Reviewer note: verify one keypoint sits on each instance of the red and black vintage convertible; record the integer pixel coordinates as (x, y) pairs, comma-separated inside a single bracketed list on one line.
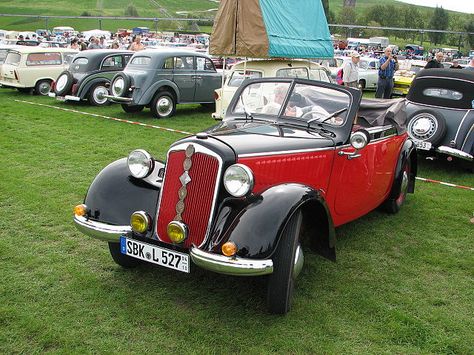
[(291, 157)]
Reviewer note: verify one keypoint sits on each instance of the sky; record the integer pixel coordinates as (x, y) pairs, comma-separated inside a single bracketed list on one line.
[(466, 6)]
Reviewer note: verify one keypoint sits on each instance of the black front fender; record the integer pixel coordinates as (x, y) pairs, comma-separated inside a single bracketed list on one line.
[(255, 224), (114, 195)]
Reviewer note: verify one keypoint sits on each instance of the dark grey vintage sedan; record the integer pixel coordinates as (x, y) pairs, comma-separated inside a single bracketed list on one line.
[(160, 79), (440, 109), (89, 75)]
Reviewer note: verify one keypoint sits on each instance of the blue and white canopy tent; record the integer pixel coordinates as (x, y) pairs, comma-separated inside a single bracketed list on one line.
[(271, 29)]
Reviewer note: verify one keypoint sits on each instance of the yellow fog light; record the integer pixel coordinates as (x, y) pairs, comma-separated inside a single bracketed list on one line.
[(80, 210), (140, 222), (177, 231), (229, 249)]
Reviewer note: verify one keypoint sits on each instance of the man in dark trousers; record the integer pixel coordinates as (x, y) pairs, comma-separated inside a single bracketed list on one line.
[(388, 66), (436, 61)]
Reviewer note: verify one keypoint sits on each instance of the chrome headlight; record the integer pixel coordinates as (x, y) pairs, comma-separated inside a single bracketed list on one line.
[(238, 180), (140, 163), (118, 86)]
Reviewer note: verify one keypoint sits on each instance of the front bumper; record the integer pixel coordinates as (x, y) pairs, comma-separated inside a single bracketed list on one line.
[(218, 263), (230, 265), (455, 153), (99, 230), (119, 99), (64, 98)]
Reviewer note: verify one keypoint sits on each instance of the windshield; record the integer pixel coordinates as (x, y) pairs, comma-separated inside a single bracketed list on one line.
[(303, 102)]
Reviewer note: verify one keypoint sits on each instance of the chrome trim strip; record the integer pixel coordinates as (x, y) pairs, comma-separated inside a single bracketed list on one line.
[(197, 149), (99, 230), (72, 98), (459, 127), (230, 265), (443, 107), (455, 152), (378, 129), (309, 150), (119, 98), (467, 136)]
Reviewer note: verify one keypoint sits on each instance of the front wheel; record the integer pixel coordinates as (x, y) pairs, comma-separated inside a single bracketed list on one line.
[(132, 108), (122, 259), (393, 204), (287, 263), (96, 95), (43, 87), (163, 105)]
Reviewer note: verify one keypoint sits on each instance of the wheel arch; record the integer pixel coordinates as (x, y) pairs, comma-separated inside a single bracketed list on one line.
[(162, 85), (84, 89)]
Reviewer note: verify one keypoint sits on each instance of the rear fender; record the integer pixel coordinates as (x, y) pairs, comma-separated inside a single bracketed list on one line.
[(114, 195), (255, 224), (148, 95), (86, 86)]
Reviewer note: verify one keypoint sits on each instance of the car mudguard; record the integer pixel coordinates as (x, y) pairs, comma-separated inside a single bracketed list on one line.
[(148, 95), (114, 195), (87, 84), (408, 151), (255, 223)]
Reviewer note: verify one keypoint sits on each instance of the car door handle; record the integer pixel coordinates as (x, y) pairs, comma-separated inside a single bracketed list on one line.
[(350, 155)]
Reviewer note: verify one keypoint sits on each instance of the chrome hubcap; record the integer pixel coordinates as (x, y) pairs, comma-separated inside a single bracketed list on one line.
[(299, 260), (99, 93), (164, 106), (118, 86)]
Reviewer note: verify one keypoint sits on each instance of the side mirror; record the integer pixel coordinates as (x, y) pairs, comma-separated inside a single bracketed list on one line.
[(359, 140)]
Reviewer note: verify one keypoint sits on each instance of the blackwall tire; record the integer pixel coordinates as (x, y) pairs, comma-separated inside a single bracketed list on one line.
[(281, 281), (121, 259), (43, 87), (393, 204), (125, 85), (427, 125), (96, 93)]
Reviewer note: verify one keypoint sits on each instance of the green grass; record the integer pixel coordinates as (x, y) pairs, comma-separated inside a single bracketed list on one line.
[(402, 283)]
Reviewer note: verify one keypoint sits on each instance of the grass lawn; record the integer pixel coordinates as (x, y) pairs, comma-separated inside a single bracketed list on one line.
[(402, 284)]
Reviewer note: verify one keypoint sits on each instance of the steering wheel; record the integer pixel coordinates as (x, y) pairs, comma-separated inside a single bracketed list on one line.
[(317, 112)]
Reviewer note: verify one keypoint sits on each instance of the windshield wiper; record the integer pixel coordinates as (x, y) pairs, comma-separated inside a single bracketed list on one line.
[(319, 130), (327, 117)]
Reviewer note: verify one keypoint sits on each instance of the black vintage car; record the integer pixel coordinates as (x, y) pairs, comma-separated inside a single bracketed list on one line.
[(89, 76), (440, 108), (292, 160), (161, 79)]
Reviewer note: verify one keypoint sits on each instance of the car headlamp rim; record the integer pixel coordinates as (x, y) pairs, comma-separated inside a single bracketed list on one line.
[(359, 139), (250, 180), (149, 163), (145, 217)]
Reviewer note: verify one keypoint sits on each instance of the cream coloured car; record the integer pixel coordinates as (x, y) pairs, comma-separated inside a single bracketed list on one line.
[(26, 68), (291, 68)]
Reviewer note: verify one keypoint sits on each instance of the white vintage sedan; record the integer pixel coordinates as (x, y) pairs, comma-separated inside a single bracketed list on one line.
[(296, 68), (368, 70)]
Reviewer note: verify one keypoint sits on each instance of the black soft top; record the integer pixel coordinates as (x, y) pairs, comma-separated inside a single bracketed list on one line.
[(380, 112), (460, 81)]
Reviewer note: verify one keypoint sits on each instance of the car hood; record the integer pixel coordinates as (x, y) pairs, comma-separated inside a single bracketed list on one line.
[(269, 138)]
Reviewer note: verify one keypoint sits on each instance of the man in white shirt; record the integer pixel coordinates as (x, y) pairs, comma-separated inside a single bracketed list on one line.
[(350, 75)]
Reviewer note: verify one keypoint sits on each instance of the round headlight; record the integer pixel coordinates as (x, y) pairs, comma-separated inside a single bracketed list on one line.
[(359, 139), (238, 180), (140, 222), (177, 231), (118, 86), (140, 163)]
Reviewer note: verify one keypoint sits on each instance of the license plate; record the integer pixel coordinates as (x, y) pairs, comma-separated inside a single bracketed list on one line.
[(154, 254), (423, 145)]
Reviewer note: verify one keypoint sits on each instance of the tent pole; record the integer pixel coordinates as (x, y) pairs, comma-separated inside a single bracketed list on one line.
[(223, 73)]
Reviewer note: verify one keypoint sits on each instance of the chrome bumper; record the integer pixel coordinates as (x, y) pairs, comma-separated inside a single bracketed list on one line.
[(119, 98), (230, 265), (455, 153), (51, 94), (102, 231), (72, 98)]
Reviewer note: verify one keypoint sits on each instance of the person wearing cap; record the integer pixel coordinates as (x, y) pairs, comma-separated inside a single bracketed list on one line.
[(388, 66), (455, 65), (350, 71)]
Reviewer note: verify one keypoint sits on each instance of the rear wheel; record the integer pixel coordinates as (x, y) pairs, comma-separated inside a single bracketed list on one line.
[(43, 87), (393, 204), (132, 108), (163, 105), (96, 95), (122, 259), (287, 263)]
